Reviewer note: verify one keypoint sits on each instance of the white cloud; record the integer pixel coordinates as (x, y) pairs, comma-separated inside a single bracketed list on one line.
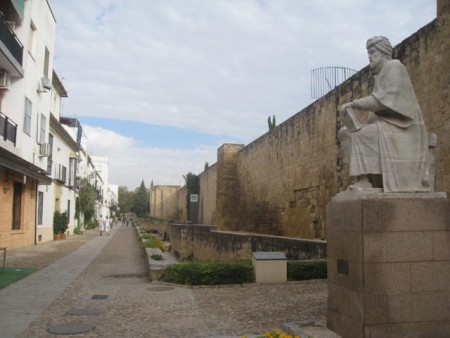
[(219, 67), (130, 163)]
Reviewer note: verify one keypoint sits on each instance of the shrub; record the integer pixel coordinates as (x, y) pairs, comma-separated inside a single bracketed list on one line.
[(92, 224), (308, 269), (209, 273), (156, 257), (153, 242), (60, 222)]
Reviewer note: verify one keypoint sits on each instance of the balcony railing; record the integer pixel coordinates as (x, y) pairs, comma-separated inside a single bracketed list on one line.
[(8, 129), (10, 40)]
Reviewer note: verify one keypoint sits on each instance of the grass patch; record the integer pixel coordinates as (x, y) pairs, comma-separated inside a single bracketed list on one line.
[(308, 269), (209, 273), (11, 275)]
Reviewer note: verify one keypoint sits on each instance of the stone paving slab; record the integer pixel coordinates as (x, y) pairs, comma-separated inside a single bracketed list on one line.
[(137, 308), (24, 301)]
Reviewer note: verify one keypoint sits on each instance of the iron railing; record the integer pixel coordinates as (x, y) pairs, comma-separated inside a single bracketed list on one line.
[(10, 40), (325, 79)]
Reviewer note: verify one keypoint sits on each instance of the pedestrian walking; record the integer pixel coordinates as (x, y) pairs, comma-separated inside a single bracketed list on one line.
[(107, 225), (101, 224)]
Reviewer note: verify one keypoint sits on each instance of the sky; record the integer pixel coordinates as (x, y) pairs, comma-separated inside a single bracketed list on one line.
[(159, 85)]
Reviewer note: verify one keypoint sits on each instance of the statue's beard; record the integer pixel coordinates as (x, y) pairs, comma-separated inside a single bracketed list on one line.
[(375, 66)]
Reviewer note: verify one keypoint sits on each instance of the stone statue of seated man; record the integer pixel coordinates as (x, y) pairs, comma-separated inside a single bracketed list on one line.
[(390, 151)]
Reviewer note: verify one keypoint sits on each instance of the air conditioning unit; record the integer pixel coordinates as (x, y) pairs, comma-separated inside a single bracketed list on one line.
[(44, 149), (46, 83), (4, 79)]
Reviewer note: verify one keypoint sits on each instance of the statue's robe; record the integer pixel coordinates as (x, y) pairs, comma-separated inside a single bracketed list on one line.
[(394, 143)]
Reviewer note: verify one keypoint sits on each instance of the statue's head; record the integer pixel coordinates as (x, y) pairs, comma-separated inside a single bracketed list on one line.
[(379, 49)]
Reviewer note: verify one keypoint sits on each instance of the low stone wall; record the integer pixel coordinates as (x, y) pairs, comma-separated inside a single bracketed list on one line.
[(206, 242), (155, 267), (161, 228)]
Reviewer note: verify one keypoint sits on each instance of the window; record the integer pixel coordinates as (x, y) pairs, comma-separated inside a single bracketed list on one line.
[(61, 173), (50, 155), (40, 207), (46, 62), (42, 129), (27, 117), (17, 206), (72, 171), (31, 39)]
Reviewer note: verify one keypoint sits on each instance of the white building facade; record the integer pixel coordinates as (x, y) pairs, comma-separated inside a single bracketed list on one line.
[(26, 60)]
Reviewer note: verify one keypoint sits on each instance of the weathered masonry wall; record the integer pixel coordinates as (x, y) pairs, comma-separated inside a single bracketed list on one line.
[(208, 190), (168, 202), (280, 183), (205, 242)]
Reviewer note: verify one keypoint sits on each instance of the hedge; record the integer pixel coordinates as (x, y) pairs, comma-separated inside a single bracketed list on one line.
[(307, 269), (237, 272), (209, 273)]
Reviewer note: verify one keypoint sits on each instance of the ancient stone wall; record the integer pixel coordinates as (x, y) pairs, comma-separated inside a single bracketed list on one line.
[(208, 191), (281, 183), (227, 198), (168, 202), (284, 179)]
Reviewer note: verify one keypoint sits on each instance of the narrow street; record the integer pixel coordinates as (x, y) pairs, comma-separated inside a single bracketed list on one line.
[(104, 284)]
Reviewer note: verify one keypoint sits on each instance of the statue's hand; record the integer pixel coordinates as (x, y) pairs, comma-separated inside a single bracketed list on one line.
[(342, 107)]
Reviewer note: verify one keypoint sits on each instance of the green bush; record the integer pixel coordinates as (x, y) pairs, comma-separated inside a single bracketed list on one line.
[(157, 257), (153, 242), (92, 224), (209, 273), (308, 269), (60, 222)]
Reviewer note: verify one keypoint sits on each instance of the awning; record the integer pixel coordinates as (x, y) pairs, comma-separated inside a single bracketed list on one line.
[(14, 162)]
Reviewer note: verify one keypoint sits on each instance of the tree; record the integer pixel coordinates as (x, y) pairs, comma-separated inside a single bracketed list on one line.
[(126, 199), (87, 198), (141, 202), (272, 123)]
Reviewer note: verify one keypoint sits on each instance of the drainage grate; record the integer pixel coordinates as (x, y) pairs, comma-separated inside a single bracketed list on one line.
[(99, 297), (127, 275), (161, 288), (70, 328), (84, 312)]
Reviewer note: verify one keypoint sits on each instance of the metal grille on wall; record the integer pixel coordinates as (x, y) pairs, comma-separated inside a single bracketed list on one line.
[(325, 79)]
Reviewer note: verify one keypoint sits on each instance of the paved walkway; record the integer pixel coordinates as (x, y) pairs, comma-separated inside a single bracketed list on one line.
[(110, 275)]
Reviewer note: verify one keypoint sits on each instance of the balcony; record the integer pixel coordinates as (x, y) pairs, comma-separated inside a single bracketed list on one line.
[(8, 129), (11, 50)]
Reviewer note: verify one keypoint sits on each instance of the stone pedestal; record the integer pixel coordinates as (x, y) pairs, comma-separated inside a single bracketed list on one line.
[(389, 266)]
